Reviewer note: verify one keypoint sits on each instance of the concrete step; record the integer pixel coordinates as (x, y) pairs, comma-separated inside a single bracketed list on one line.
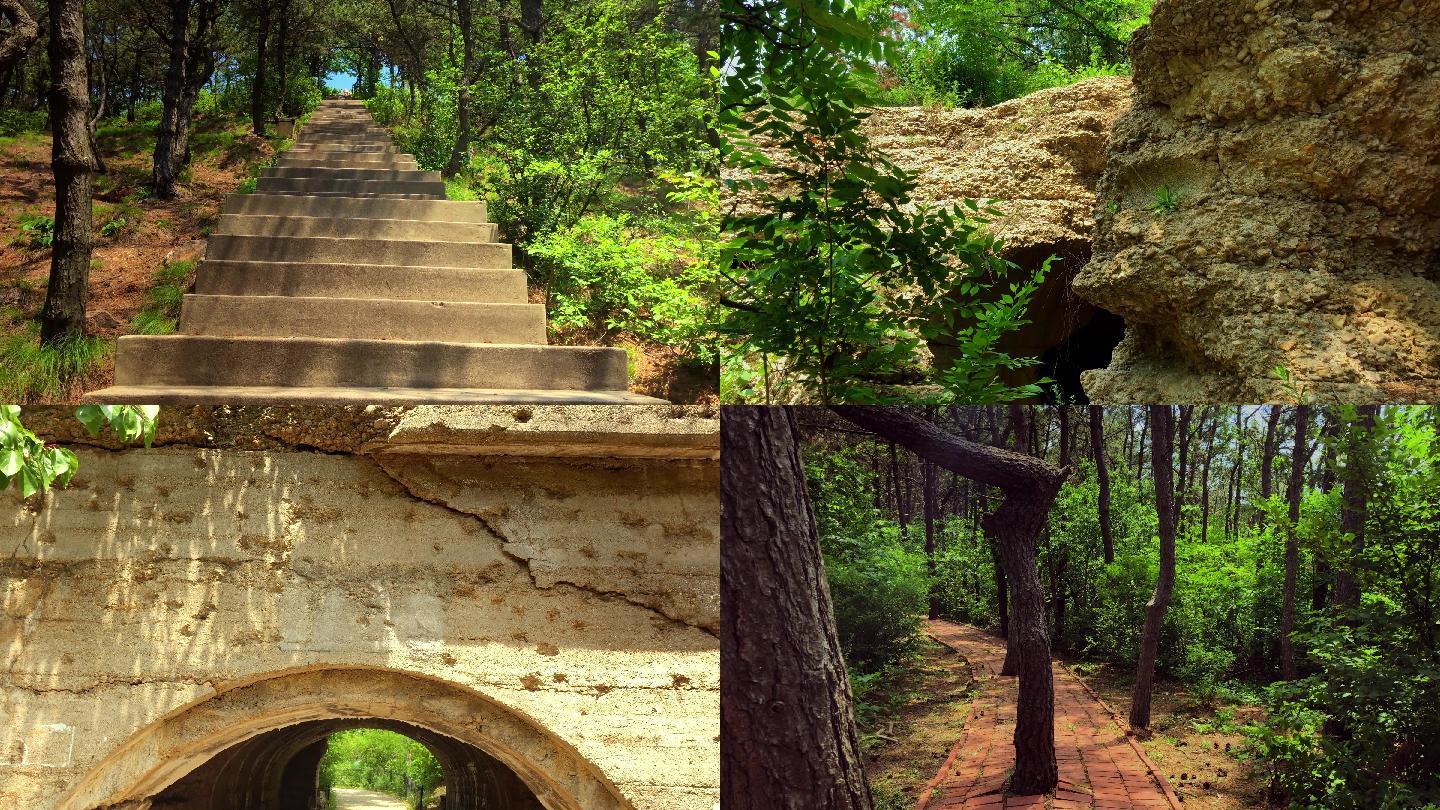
[(341, 228), (353, 195), (356, 208), (306, 185), (359, 159), (387, 162), (275, 395), (341, 147), (194, 360), (362, 318), (483, 255), (353, 142), (318, 279), (352, 173)]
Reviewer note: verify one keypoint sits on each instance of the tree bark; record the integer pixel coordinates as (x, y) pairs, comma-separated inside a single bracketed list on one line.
[(460, 154), (1102, 479), (74, 162), (931, 509), (1028, 486), (788, 732), (190, 61), (261, 58), (1288, 669), (1355, 498), (1163, 435), (24, 30), (1205, 475)]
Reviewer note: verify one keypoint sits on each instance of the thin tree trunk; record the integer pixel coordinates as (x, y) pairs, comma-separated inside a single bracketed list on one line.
[(1163, 432), (1182, 432), (74, 163), (931, 508), (460, 154), (282, 58), (1355, 498), (1029, 486), (1288, 669), (261, 58), (1102, 478), (1205, 477), (789, 739), (190, 63), (1320, 570)]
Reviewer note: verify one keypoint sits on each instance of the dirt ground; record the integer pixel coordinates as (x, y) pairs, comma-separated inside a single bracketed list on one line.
[(1203, 766), (155, 231)]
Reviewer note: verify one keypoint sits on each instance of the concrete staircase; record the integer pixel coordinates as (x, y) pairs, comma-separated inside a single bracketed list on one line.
[(348, 277)]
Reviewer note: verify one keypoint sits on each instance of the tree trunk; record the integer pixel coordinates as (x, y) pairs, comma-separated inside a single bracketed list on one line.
[(1205, 477), (1320, 570), (1029, 486), (1267, 455), (460, 154), (789, 737), (1163, 432), (74, 163), (931, 508), (1182, 432), (282, 58), (1288, 669), (532, 20), (1102, 479), (261, 58), (1355, 498), (899, 494)]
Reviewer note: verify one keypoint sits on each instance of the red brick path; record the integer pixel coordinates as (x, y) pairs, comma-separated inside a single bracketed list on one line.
[(1099, 766)]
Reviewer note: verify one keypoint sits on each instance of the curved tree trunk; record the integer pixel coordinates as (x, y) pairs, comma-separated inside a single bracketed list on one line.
[(74, 162), (1162, 422), (1029, 486), (788, 733), (24, 30)]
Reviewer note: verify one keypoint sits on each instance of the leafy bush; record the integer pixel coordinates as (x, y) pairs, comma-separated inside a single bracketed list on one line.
[(16, 122), (612, 273), (37, 230)]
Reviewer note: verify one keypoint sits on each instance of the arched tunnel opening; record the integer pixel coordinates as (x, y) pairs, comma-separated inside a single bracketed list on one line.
[(282, 769)]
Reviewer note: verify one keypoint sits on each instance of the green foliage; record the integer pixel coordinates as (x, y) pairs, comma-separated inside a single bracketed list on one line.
[(1167, 200), (375, 759), (113, 227), (642, 278), (26, 461), (30, 371), (17, 122), (161, 313), (37, 230), (130, 423), (982, 52)]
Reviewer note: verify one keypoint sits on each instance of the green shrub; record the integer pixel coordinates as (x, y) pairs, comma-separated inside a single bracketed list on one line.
[(37, 231), (645, 279), (17, 122), (161, 313)]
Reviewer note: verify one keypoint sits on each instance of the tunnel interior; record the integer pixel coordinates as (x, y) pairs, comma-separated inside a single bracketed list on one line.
[(279, 770)]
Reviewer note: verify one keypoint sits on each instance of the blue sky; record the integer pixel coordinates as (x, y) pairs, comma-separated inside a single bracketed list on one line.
[(340, 81)]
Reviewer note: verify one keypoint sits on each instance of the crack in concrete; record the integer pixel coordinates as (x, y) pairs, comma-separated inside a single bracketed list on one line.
[(106, 683), (524, 562)]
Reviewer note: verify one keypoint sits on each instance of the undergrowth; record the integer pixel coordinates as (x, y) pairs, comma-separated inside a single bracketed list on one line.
[(29, 371)]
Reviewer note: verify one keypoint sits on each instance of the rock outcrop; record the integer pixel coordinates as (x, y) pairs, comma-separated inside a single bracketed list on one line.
[(1298, 144), (1039, 160)]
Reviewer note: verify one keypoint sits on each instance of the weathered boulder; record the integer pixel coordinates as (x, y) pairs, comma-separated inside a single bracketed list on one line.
[(1038, 159), (1300, 141)]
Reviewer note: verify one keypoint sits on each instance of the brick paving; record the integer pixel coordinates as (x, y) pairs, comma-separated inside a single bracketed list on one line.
[(1099, 766)]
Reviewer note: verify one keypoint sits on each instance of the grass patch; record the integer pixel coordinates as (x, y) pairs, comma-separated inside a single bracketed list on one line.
[(29, 371), (161, 313)]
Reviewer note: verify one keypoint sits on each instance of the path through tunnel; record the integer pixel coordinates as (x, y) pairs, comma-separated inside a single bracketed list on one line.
[(279, 770)]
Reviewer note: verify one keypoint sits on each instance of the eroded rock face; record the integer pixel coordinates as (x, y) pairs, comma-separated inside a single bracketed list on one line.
[(1037, 158), (1302, 142)]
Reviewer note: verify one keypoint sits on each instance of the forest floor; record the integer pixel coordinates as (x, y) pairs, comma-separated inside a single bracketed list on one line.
[(952, 736), (149, 236)]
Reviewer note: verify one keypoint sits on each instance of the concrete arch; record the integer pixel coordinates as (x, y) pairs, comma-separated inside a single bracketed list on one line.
[(437, 711)]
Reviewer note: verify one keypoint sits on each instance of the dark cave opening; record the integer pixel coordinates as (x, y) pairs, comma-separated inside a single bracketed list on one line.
[(1088, 347)]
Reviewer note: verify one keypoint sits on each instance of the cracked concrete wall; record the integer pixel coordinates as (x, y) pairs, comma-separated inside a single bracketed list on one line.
[(580, 593)]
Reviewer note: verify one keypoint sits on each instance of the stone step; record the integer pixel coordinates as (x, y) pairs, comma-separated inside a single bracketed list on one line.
[(387, 162), (359, 159), (351, 173), (325, 250), (353, 195), (341, 147), (362, 319), (196, 360), (356, 208), (318, 279), (316, 395), (343, 228), (307, 185), (352, 142)]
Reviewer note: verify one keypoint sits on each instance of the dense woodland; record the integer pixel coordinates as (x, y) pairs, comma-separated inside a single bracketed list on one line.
[(838, 276), (589, 128), (1280, 557), (380, 760)]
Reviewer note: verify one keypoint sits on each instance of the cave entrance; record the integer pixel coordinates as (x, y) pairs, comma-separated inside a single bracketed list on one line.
[(1088, 347)]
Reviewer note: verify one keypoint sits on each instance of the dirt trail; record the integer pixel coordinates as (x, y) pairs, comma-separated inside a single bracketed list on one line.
[(365, 800), (1099, 766)]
